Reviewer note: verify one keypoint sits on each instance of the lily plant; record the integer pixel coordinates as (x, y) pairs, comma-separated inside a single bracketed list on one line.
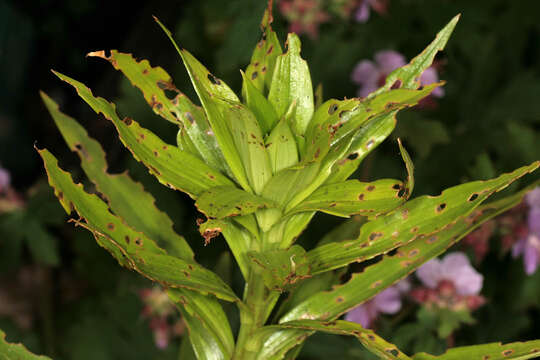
[(259, 166)]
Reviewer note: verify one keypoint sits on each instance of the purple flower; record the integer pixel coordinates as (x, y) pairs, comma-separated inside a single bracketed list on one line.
[(387, 302), (454, 268), (5, 180), (364, 10), (529, 244), (372, 75)]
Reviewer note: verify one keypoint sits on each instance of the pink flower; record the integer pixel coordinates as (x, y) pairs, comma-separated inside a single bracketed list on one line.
[(304, 16), (386, 302), (364, 10), (5, 180), (372, 75), (455, 268), (528, 244)]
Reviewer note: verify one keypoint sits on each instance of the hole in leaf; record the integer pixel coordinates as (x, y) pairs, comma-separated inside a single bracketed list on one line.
[(332, 109), (214, 80), (473, 197), (352, 156), (441, 207), (254, 75)]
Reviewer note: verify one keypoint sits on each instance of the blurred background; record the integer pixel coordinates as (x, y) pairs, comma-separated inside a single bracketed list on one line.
[(62, 295)]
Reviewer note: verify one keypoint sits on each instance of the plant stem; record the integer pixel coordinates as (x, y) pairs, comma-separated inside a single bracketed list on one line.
[(259, 303)]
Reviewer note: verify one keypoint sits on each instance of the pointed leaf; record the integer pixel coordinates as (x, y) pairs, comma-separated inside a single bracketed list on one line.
[(18, 351), (281, 147), (127, 198), (131, 248), (368, 338), (209, 330), (172, 167), (419, 217), (259, 105), (261, 67), (226, 201), (375, 278), (409, 186), (153, 82), (355, 197), (283, 268), (292, 82), (371, 135), (336, 119), (493, 351), (408, 76)]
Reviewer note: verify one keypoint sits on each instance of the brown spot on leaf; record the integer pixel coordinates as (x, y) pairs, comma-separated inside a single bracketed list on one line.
[(110, 226), (404, 214), (263, 70), (486, 357), (138, 241), (361, 197), (414, 229), (332, 109), (413, 252), (269, 51), (145, 71), (375, 235), (332, 205), (370, 188), (142, 136), (352, 156), (405, 263), (156, 153), (127, 120), (371, 337), (376, 284), (508, 352), (211, 176), (396, 84), (473, 197), (127, 239), (254, 75), (440, 207), (317, 153), (340, 299), (60, 195), (431, 239)]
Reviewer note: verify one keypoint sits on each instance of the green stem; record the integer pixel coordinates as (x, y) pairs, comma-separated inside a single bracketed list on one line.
[(259, 303)]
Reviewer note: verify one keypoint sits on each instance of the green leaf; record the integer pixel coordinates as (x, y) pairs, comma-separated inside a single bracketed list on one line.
[(259, 105), (276, 344), (409, 186), (226, 201), (281, 147), (172, 167), (408, 76), (292, 82), (167, 101), (10, 351), (132, 249), (286, 184), (354, 197), (282, 269), (419, 217), (493, 351), (329, 305), (126, 198), (368, 137), (236, 128), (375, 278), (336, 119), (209, 330), (261, 67), (238, 238)]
